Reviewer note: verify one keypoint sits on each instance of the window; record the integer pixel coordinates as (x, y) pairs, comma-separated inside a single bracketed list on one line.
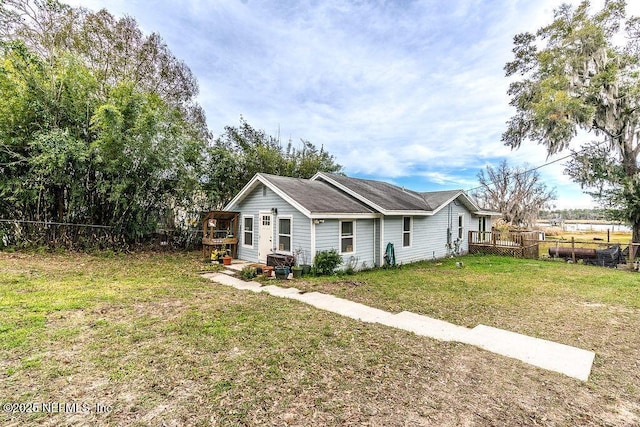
[(482, 224), (347, 237), (284, 234), (247, 235), (482, 229), (406, 231), (460, 226)]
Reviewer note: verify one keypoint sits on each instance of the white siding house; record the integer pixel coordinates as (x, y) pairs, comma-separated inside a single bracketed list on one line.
[(357, 217)]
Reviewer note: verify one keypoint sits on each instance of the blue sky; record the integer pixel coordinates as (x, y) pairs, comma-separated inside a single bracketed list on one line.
[(407, 92)]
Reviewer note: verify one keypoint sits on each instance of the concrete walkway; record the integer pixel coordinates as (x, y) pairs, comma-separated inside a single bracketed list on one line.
[(570, 361)]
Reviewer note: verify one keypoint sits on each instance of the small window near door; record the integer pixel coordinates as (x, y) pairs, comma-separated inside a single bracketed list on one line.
[(460, 226), (266, 220), (347, 237), (406, 231), (247, 239), (284, 234)]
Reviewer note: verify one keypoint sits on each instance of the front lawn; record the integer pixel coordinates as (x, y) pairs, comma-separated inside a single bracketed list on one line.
[(147, 337)]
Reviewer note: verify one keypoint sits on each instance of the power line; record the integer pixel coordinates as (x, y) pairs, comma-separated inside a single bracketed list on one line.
[(535, 168)]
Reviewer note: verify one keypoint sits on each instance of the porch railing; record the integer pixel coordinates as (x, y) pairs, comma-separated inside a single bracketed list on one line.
[(513, 243)]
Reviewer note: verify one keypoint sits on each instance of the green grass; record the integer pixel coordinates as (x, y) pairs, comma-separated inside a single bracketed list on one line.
[(149, 336), (486, 289)]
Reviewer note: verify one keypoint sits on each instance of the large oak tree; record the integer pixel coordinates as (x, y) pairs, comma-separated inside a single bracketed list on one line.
[(582, 73)]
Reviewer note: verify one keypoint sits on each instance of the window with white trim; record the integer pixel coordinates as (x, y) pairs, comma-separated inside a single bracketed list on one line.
[(407, 226), (460, 226), (247, 231), (284, 234), (347, 237)]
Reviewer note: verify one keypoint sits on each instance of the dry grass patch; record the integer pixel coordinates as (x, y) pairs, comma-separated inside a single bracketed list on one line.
[(163, 346)]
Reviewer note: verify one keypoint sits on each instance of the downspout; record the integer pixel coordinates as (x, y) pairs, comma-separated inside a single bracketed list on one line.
[(374, 240), (449, 226), (380, 261), (313, 241)]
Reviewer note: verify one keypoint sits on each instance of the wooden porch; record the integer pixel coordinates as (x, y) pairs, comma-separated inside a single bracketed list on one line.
[(220, 233), (520, 244)]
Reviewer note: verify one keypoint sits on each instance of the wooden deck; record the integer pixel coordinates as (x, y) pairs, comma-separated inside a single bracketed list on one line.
[(520, 244)]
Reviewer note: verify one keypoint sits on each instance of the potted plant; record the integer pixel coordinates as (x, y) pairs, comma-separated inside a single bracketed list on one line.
[(282, 272), (297, 271), (301, 258), (226, 257)]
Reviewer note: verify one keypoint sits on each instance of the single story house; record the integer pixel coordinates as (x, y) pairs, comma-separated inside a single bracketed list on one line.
[(357, 217)]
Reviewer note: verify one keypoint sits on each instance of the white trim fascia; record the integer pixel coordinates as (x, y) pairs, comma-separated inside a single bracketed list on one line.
[(243, 193), (468, 203), (259, 177), (409, 213), (344, 215), (314, 177), (487, 213)]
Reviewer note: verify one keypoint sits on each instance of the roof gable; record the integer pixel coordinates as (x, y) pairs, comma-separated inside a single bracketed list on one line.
[(317, 196), (382, 196), (309, 197), (329, 194)]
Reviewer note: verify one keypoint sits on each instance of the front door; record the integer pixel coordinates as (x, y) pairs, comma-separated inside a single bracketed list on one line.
[(265, 237)]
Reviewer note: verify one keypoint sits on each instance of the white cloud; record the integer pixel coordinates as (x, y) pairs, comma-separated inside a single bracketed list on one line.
[(393, 89)]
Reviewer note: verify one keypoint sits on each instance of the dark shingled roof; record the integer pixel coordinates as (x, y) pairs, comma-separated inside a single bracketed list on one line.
[(388, 196), (317, 196), (438, 198)]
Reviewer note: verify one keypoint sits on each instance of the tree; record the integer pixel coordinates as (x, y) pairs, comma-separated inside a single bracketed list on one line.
[(582, 72), (242, 151), (104, 131), (115, 50), (517, 193)]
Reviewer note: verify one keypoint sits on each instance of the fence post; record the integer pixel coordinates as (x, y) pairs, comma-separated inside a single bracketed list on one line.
[(573, 249)]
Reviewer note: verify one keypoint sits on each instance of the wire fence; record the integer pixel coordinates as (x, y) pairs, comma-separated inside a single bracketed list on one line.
[(22, 234), (535, 245)]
